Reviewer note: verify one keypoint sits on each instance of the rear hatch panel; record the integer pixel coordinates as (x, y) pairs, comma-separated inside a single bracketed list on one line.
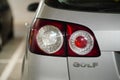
[(100, 68)]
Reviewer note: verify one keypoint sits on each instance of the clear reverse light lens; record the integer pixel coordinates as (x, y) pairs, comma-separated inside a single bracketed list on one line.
[(49, 39), (81, 42)]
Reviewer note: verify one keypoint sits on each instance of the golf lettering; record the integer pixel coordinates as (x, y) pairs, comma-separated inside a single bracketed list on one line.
[(85, 65)]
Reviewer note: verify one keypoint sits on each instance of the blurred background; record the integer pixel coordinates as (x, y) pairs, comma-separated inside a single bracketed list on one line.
[(21, 15), (13, 16)]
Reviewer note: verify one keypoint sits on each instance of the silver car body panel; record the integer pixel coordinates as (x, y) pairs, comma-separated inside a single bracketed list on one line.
[(47, 68), (101, 68), (106, 28)]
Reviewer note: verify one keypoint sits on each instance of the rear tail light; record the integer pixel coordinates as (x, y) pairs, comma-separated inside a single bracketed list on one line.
[(55, 38), (46, 38), (81, 42)]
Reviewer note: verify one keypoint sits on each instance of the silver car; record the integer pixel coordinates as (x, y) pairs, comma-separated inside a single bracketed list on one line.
[(74, 40)]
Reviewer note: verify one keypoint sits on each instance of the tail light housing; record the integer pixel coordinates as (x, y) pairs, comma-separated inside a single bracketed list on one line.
[(56, 38)]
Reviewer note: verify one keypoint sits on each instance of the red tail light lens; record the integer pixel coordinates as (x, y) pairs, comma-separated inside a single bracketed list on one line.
[(56, 38), (81, 41)]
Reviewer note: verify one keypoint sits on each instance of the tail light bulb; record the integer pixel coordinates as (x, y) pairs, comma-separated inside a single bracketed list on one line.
[(81, 42)]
